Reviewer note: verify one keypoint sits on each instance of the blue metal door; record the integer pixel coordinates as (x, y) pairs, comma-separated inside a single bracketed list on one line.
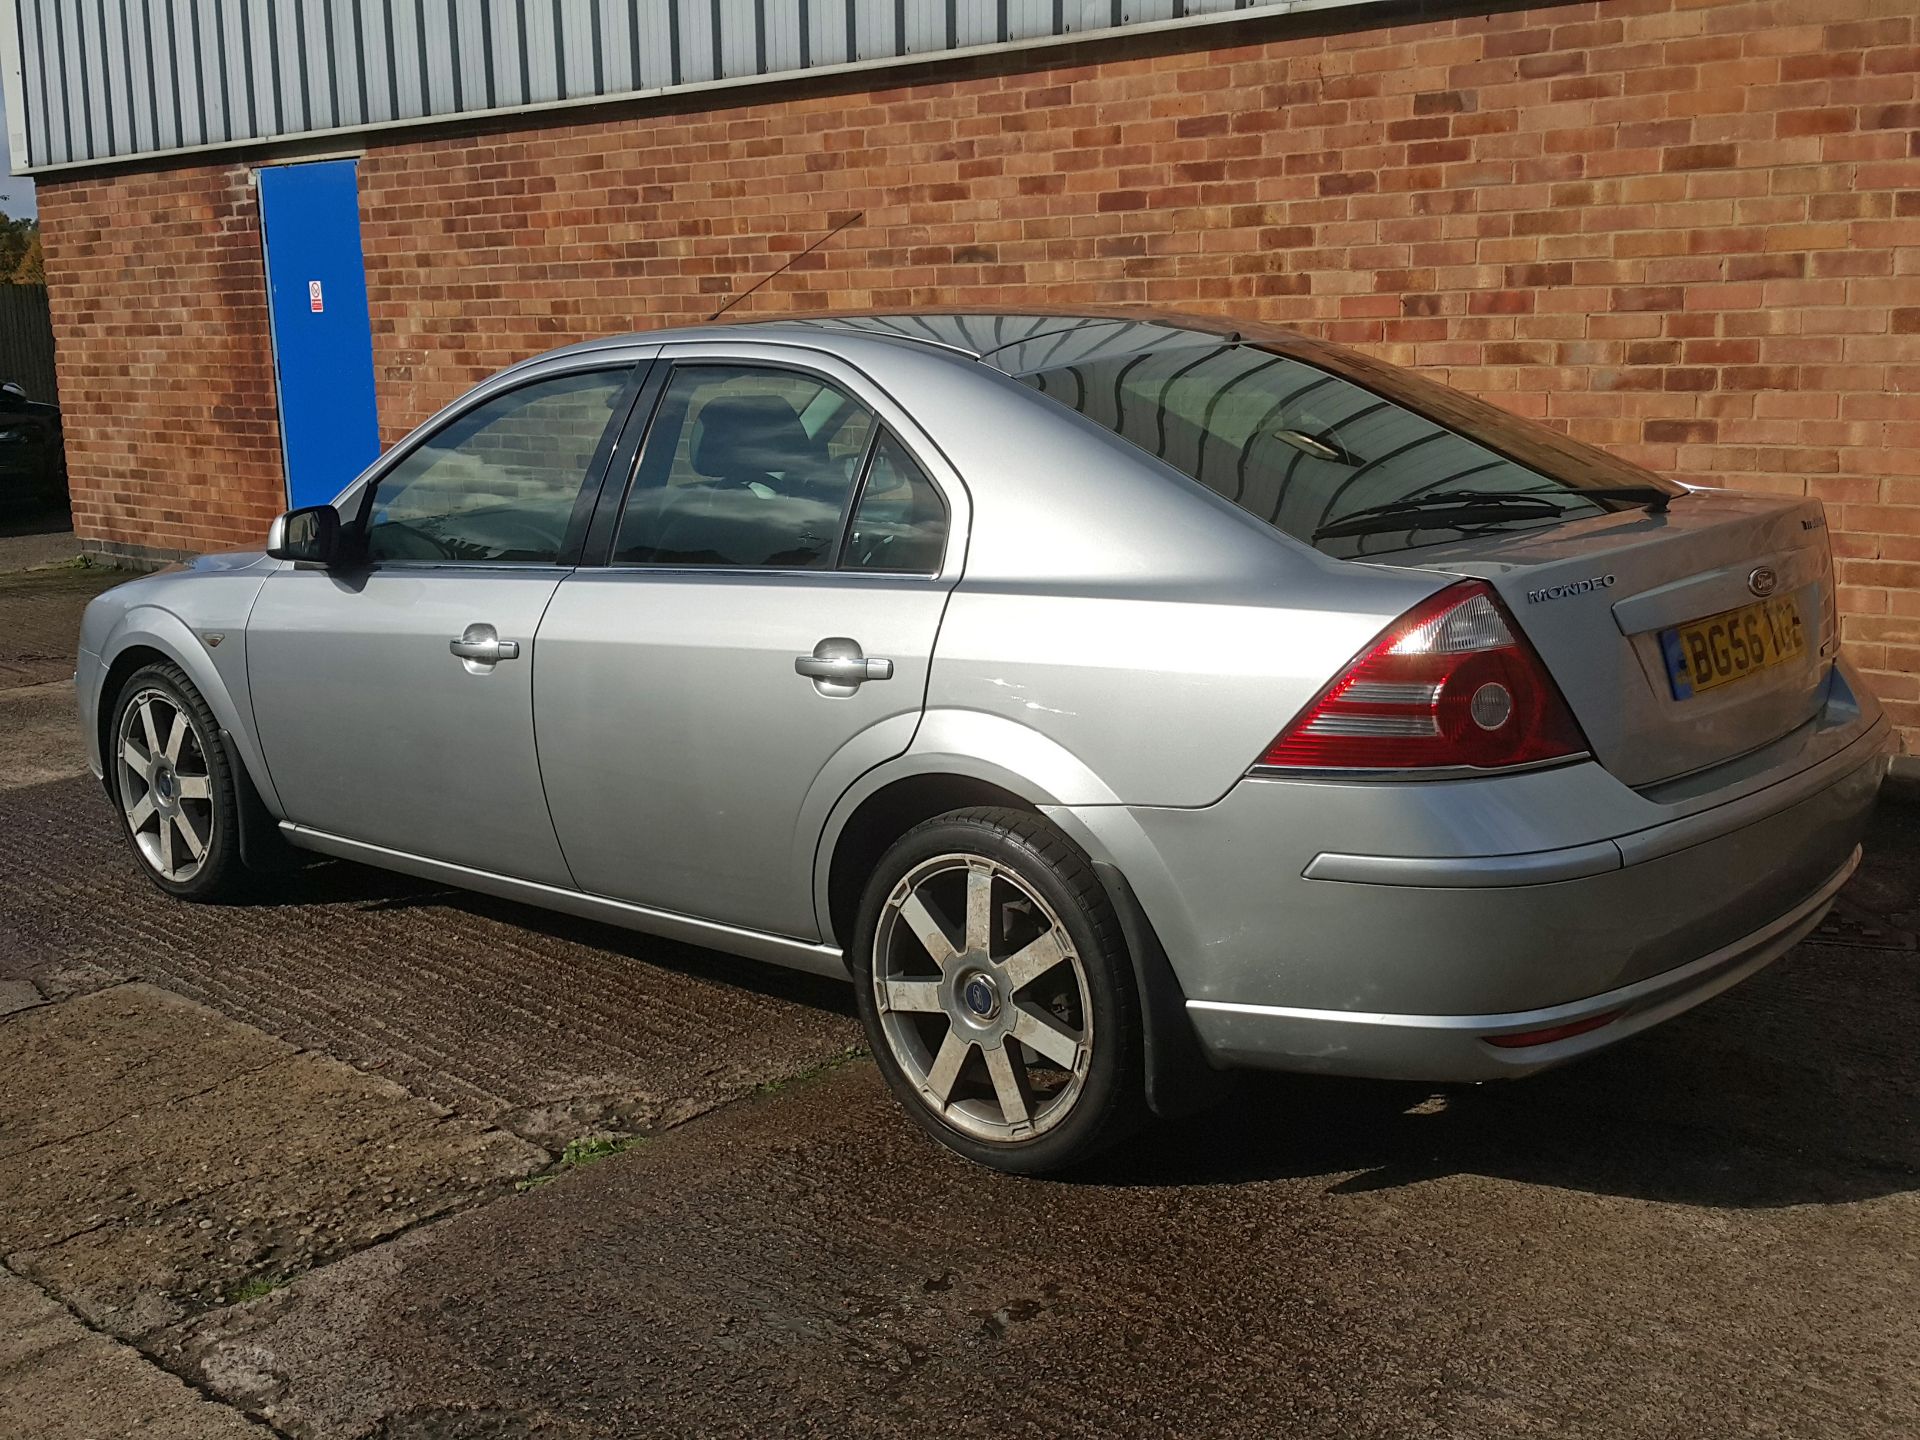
[(322, 338)]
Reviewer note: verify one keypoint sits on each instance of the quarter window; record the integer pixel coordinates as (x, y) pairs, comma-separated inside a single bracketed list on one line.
[(746, 467), (900, 524), (499, 483)]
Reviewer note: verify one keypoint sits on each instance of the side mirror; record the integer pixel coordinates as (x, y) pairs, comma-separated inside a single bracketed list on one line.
[(311, 535)]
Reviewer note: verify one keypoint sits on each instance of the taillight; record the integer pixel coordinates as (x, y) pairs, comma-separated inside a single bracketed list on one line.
[(1449, 685)]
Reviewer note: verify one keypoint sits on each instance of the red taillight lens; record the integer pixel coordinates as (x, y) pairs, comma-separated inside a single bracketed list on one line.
[(1450, 684)]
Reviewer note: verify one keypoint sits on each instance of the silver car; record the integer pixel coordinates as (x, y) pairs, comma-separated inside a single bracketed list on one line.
[(1116, 699)]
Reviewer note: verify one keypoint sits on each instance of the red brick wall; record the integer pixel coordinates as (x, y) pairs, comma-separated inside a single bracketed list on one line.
[(165, 367), (1685, 229)]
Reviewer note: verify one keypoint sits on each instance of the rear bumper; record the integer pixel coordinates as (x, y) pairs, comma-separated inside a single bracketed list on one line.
[(1387, 929), (1459, 1048)]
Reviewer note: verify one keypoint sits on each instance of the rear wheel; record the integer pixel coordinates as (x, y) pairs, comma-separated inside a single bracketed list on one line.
[(997, 993), (175, 790)]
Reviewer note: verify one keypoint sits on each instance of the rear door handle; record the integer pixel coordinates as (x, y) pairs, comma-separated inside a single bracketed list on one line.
[(481, 643), (837, 667)]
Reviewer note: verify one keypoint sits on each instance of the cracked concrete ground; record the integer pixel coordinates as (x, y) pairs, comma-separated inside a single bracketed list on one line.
[(61, 1381), (1712, 1229), (158, 1155)]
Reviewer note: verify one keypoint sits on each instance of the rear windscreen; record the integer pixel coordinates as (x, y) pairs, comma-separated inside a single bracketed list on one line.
[(1305, 449)]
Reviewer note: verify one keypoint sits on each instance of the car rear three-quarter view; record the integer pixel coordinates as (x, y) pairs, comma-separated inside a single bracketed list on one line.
[(1117, 700)]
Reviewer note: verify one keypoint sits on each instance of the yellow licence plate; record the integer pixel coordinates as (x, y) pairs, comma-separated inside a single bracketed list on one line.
[(1720, 649)]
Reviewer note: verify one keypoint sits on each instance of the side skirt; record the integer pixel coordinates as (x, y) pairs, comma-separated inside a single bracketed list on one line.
[(753, 944)]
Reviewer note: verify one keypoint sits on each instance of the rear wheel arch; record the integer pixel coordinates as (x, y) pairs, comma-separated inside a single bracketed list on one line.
[(882, 818), (1178, 1078)]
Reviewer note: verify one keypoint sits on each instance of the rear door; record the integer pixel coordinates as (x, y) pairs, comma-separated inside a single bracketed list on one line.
[(760, 636)]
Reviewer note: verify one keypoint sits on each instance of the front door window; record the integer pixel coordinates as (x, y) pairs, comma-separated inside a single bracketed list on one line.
[(500, 482)]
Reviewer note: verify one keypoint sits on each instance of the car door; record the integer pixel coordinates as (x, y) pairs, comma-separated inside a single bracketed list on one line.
[(394, 695), (760, 636)]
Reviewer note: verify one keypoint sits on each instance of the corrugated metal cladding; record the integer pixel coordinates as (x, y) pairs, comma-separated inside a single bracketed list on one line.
[(90, 80)]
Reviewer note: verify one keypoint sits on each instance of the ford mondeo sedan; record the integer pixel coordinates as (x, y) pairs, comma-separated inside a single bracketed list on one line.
[(1116, 700)]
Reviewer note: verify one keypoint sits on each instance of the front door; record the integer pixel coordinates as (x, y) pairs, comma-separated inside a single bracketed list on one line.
[(322, 339), (394, 695), (761, 637)]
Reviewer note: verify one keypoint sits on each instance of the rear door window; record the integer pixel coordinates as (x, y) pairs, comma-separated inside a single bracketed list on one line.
[(746, 467)]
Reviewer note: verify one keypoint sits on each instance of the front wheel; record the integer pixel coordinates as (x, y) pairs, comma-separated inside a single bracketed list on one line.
[(997, 993), (174, 787)]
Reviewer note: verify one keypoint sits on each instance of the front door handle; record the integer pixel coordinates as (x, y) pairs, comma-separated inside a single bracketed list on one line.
[(483, 645), (837, 667)]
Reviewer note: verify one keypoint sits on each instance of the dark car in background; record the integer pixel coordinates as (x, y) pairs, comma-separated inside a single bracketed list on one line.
[(33, 456)]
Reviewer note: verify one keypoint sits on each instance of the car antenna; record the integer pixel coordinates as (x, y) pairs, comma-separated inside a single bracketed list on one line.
[(852, 219)]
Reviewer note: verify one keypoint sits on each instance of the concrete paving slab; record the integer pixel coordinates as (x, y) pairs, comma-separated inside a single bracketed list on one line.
[(19, 995), (1309, 1260), (155, 1156), (62, 1381)]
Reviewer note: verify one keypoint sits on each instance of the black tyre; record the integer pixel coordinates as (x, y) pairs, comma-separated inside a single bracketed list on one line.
[(997, 993), (178, 802)]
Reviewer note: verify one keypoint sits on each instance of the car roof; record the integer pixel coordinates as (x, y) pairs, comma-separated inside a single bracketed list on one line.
[(1012, 341)]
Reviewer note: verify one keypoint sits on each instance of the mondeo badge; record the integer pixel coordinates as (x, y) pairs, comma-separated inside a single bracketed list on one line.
[(1762, 580)]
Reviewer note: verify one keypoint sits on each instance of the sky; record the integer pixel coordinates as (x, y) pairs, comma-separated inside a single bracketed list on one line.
[(16, 194)]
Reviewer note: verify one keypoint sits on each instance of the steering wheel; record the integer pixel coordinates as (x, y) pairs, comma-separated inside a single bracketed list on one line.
[(397, 540)]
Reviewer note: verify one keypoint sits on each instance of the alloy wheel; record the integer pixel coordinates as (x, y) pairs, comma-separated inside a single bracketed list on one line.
[(982, 998), (165, 787)]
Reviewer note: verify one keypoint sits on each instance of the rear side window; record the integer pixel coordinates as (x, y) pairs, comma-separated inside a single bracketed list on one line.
[(1291, 443), (747, 467), (900, 525)]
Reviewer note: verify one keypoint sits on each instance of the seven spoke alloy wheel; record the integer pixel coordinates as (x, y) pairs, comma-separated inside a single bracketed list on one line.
[(982, 998), (165, 784), (177, 793)]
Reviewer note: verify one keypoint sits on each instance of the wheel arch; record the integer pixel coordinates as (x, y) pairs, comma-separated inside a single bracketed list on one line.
[(893, 799), (147, 635), (882, 817)]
